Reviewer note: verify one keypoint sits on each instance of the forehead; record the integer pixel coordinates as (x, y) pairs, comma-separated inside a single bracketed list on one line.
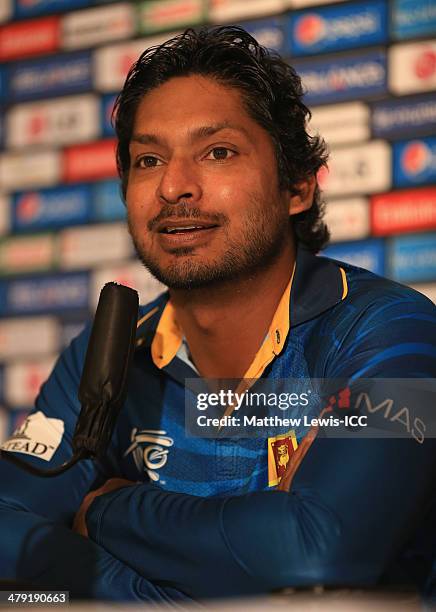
[(182, 101)]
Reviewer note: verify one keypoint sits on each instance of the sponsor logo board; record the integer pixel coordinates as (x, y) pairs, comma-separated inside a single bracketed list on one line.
[(397, 117), (32, 8), (3, 92), (70, 329), (107, 201), (132, 274), (28, 336), (27, 253), (53, 76), (343, 78), (45, 294), (368, 254), (304, 3), (414, 162), (24, 38), (357, 169), (347, 219), (412, 18), (98, 25), (269, 33), (23, 380), (90, 161), (5, 10), (403, 211), (3, 298), (5, 214), (39, 436), (63, 121), (427, 289), (338, 27), (341, 123), (51, 208), (412, 67), (27, 170), (229, 10), (113, 62), (413, 258), (107, 105), (158, 15), (4, 424), (94, 245)]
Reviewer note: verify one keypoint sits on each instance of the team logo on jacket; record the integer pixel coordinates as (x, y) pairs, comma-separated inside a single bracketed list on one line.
[(280, 450), (150, 448)]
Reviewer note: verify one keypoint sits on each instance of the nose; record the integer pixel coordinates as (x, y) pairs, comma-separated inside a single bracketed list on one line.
[(179, 182)]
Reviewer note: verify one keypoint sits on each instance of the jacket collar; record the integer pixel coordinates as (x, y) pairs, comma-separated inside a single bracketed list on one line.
[(319, 284)]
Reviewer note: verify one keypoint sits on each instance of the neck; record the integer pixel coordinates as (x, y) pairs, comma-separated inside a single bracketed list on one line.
[(226, 324)]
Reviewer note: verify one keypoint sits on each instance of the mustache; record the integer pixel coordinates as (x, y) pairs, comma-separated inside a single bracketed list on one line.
[(186, 211)]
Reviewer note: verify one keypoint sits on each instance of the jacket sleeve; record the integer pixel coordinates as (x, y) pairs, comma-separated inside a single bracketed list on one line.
[(36, 543), (354, 502)]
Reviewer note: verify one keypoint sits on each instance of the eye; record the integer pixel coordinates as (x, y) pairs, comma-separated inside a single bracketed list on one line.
[(220, 154), (147, 161)]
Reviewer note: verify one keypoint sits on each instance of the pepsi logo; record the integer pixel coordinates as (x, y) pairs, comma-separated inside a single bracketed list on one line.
[(36, 124), (425, 65), (415, 158), (310, 29), (28, 207), (337, 81)]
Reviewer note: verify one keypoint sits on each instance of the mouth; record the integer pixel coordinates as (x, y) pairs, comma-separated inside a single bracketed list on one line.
[(185, 233), (175, 228)]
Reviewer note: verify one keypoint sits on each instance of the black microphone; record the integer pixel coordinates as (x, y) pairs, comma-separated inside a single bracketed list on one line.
[(103, 384)]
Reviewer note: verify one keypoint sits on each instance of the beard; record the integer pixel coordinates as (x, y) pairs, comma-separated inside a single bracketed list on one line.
[(265, 234)]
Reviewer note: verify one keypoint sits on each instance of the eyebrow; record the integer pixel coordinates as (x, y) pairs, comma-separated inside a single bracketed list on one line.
[(197, 134)]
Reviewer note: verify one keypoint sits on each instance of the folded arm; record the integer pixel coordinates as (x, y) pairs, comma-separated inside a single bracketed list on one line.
[(37, 550), (353, 505)]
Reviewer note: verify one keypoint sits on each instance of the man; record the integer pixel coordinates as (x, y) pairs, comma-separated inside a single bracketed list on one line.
[(219, 179)]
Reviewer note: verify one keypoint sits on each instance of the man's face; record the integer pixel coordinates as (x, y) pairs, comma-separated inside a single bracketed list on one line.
[(202, 197)]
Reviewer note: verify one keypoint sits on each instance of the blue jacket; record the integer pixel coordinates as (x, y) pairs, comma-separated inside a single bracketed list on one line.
[(204, 520)]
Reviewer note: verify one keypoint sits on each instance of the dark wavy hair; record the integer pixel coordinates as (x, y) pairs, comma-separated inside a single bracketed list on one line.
[(271, 91)]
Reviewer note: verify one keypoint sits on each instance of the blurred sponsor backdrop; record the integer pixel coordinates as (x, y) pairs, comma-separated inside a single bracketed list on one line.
[(370, 73)]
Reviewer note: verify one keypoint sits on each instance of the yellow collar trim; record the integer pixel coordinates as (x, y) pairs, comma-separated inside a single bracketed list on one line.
[(276, 336), (169, 336), (344, 284)]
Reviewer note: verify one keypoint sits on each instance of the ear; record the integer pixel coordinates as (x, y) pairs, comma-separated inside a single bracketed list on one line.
[(302, 200)]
